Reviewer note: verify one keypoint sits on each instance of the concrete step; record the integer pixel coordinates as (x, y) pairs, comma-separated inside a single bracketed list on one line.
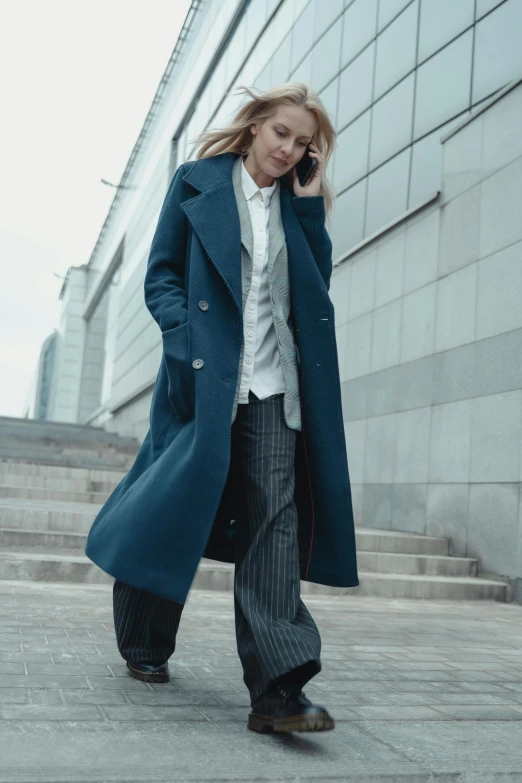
[(43, 493), (67, 566), (380, 562), (44, 456), (27, 540), (78, 480), (18, 429), (67, 517), (399, 563), (372, 540), (43, 515)]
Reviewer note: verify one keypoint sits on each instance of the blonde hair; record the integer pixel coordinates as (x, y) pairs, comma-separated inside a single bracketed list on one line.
[(237, 136)]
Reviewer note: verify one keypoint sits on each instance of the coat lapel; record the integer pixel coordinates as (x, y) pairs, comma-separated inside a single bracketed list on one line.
[(214, 216), (220, 217)]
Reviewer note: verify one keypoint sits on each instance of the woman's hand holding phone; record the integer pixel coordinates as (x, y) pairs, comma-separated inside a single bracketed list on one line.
[(312, 186)]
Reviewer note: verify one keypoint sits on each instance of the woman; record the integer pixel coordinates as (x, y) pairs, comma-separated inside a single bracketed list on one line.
[(245, 458)]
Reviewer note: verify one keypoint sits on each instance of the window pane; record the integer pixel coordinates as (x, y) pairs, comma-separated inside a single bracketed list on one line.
[(303, 34), (388, 9), (348, 219), (387, 192), (443, 85), (426, 164), (442, 20), (325, 13), (329, 99), (483, 6), (396, 49), (356, 87), (392, 122), (359, 27), (281, 62), (498, 53), (351, 160), (326, 56)]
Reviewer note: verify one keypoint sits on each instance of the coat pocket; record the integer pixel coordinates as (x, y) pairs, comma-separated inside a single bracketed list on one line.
[(180, 373)]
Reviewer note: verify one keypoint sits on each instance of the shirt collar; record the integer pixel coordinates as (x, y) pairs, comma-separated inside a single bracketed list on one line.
[(250, 187)]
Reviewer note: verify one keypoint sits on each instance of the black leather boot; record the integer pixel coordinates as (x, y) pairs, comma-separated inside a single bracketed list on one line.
[(288, 710), (149, 672)]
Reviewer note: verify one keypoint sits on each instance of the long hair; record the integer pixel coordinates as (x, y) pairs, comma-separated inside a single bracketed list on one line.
[(237, 136)]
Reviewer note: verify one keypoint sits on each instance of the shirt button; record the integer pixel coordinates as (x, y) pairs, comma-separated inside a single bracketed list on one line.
[(251, 307), (250, 334), (197, 364), (259, 252)]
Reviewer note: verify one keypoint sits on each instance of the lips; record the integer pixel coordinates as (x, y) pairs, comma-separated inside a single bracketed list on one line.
[(280, 162)]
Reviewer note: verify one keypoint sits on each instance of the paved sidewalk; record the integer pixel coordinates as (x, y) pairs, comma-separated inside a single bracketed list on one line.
[(421, 691)]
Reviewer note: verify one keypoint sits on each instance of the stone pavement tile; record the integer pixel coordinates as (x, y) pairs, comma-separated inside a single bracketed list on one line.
[(108, 683), (70, 649), (482, 712), (484, 687), (44, 696), (13, 696), (41, 681), (175, 698), (225, 714), (141, 713), (417, 666), (232, 698), (12, 668), (475, 698), (397, 712), (66, 668), (422, 699), (99, 698), (427, 657), (208, 685), (38, 712), (108, 660), (15, 657), (482, 666), (10, 646)]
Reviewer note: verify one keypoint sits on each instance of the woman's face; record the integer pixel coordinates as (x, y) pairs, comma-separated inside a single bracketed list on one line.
[(280, 141)]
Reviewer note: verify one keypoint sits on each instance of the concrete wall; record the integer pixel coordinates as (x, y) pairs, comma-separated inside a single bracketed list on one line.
[(429, 328)]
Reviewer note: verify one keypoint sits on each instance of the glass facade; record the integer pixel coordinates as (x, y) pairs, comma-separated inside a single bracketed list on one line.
[(393, 75)]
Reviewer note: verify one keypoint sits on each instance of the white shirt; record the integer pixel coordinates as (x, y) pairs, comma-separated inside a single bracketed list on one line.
[(262, 370)]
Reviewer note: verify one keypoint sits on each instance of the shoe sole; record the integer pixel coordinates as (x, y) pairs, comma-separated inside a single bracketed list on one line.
[(313, 722), (148, 676)]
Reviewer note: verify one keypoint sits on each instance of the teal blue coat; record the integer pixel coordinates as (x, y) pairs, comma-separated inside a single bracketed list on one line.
[(176, 502)]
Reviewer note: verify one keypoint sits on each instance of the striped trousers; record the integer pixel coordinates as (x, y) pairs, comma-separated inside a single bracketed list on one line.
[(277, 638)]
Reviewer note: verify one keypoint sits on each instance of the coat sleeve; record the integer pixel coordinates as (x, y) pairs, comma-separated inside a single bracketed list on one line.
[(311, 213), (164, 289)]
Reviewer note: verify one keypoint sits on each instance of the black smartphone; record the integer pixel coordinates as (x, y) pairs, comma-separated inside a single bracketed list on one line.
[(305, 168)]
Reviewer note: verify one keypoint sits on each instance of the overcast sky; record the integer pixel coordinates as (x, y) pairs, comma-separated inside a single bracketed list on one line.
[(76, 82)]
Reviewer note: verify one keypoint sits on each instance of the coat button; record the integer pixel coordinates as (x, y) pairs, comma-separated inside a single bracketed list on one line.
[(197, 364), (203, 305)]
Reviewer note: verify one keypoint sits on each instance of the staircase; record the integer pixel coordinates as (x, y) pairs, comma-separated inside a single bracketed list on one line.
[(54, 477)]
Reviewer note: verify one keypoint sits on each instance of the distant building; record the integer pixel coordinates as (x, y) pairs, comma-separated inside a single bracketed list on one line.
[(40, 404), (427, 242)]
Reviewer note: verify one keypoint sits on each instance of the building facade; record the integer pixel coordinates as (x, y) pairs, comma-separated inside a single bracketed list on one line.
[(425, 282)]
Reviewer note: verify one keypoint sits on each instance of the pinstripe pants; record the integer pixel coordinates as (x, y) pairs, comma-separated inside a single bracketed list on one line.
[(275, 633)]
